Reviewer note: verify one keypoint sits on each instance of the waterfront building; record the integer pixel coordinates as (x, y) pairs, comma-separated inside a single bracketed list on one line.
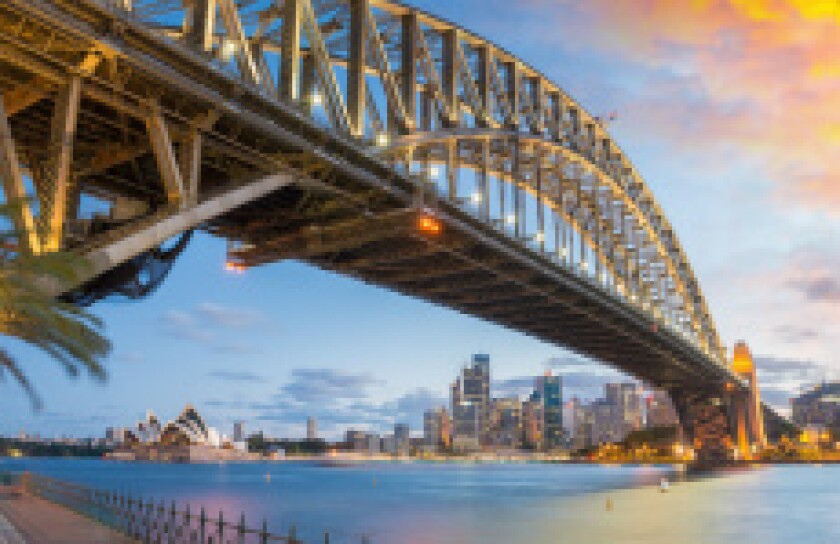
[(388, 444), (551, 394), (660, 410), (819, 407), (436, 429), (475, 380), (626, 400), (184, 439), (402, 439), (356, 439), (584, 427), (239, 431), (569, 418), (147, 430), (466, 427), (115, 435), (506, 423), (470, 397), (532, 423), (311, 428), (611, 418), (373, 445)]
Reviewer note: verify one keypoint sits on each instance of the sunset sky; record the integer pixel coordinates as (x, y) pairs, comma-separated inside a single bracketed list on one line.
[(730, 109)]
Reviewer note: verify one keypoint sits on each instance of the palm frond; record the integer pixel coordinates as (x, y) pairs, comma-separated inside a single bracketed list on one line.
[(69, 334)]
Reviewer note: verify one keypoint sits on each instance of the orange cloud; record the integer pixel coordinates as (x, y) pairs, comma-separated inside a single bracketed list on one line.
[(768, 72)]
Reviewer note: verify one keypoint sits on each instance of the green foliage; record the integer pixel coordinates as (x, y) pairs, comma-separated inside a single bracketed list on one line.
[(257, 443), (651, 436), (50, 449), (30, 313)]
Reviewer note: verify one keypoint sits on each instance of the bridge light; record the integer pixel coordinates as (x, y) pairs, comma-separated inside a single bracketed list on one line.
[(316, 99), (563, 252), (511, 218), (227, 50), (434, 171), (234, 267), (382, 139), (539, 237), (476, 198), (429, 225)]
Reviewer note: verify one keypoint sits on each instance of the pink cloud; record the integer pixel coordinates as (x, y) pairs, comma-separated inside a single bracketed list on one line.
[(761, 76)]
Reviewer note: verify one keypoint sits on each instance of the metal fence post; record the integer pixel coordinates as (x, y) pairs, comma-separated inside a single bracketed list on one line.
[(203, 523), (172, 523), (264, 533), (241, 529)]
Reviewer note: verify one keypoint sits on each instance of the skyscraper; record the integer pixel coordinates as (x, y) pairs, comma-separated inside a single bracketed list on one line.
[(239, 431), (466, 427), (532, 423), (626, 401), (436, 429), (551, 393), (660, 410), (506, 423), (402, 439), (475, 381), (311, 428), (470, 395)]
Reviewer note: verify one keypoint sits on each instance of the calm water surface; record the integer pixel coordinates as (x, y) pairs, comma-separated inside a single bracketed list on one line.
[(491, 504)]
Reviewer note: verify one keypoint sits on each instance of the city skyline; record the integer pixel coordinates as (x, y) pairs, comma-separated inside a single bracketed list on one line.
[(249, 346)]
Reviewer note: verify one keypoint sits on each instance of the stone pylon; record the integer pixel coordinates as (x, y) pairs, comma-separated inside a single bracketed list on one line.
[(744, 366)]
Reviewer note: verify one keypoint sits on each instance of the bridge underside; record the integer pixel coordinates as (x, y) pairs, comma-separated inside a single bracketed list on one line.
[(464, 267)]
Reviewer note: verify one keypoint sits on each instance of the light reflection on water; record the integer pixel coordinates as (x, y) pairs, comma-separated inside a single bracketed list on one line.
[(491, 504)]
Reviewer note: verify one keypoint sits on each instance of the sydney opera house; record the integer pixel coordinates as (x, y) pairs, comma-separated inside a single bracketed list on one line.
[(185, 439)]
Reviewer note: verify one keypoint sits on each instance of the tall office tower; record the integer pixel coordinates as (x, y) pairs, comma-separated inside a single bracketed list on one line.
[(570, 409), (311, 428), (238, 431), (631, 394), (626, 402), (585, 430), (356, 439), (436, 429), (532, 423), (475, 383), (456, 396), (402, 439), (551, 393), (660, 410), (466, 427), (506, 423)]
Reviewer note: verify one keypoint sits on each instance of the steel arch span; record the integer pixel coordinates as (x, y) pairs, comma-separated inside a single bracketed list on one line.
[(363, 136)]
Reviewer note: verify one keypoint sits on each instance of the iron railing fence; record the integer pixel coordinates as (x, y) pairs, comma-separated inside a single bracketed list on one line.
[(149, 521)]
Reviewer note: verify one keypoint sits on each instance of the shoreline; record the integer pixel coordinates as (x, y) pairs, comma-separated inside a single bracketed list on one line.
[(351, 460)]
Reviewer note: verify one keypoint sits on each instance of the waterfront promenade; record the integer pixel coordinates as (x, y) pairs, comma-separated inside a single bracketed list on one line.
[(42, 522)]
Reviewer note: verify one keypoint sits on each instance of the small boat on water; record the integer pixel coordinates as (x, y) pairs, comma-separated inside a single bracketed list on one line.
[(664, 485)]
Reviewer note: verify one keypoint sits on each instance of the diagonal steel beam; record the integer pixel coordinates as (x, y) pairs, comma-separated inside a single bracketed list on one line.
[(14, 188)]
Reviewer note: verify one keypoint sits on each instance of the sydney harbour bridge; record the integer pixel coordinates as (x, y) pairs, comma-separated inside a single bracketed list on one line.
[(364, 137)]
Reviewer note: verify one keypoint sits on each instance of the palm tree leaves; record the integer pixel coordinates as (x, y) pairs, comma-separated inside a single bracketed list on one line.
[(66, 332)]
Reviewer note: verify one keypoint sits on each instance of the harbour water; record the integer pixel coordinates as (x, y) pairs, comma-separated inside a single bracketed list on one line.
[(489, 503)]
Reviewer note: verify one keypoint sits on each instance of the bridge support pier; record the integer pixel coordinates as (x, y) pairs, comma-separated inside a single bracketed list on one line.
[(706, 421)]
